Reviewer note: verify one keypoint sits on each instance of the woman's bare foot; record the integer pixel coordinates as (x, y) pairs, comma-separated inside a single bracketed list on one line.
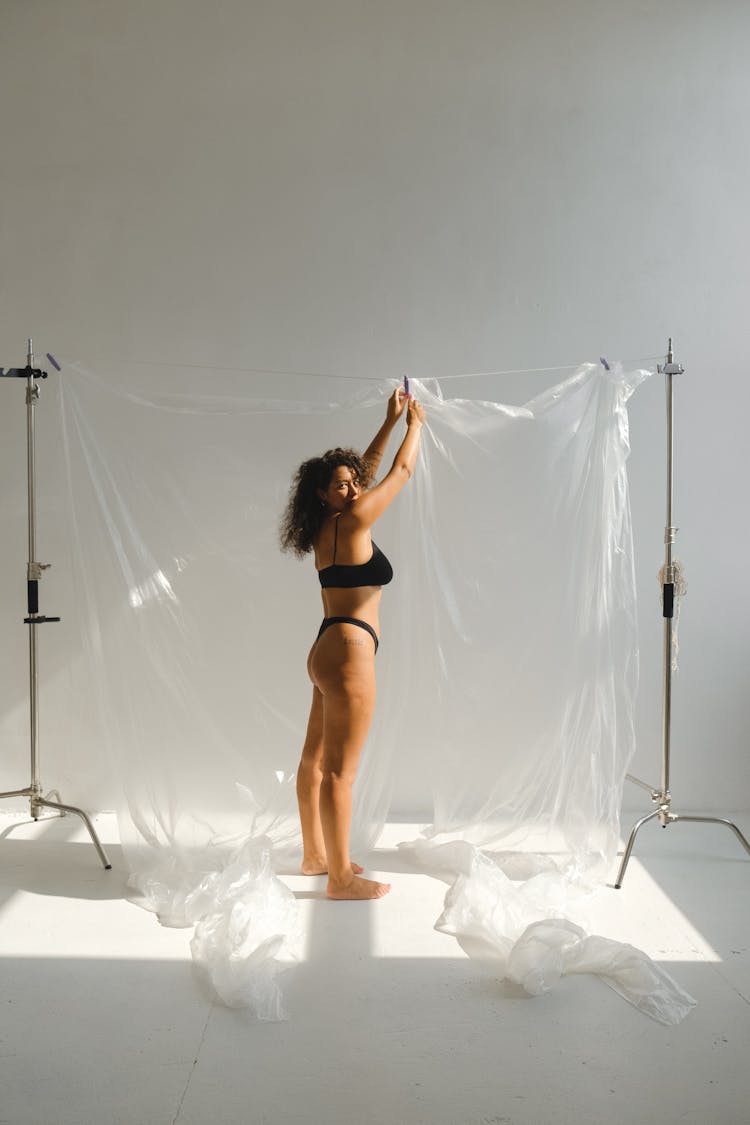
[(320, 867), (357, 889)]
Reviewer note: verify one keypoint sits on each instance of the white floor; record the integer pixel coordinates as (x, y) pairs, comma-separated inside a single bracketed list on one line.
[(103, 1023)]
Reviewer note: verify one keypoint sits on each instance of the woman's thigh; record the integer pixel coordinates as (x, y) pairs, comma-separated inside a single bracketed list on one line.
[(343, 669)]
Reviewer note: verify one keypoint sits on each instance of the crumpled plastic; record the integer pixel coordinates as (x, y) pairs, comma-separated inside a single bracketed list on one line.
[(518, 927), (245, 919), (555, 947)]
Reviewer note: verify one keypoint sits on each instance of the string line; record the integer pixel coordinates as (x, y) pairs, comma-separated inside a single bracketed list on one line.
[(360, 378)]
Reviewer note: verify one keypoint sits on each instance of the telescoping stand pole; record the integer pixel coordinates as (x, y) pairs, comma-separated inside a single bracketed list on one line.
[(662, 797), (34, 573)]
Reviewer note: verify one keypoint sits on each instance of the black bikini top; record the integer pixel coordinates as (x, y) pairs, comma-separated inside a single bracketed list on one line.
[(376, 572)]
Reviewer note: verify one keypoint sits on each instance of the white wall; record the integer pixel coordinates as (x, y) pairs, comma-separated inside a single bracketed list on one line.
[(369, 188)]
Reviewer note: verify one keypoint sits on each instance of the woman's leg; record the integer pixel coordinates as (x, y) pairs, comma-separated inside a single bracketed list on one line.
[(309, 778), (343, 667)]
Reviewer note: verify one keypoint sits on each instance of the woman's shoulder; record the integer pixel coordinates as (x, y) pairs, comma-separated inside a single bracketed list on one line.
[(351, 526)]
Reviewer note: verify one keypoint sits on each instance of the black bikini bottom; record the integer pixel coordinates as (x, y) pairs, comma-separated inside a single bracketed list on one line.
[(328, 621)]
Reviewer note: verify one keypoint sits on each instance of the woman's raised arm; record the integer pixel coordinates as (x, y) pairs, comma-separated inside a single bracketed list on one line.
[(371, 504), (373, 455)]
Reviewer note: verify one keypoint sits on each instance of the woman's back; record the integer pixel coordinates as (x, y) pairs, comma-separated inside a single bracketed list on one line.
[(351, 569)]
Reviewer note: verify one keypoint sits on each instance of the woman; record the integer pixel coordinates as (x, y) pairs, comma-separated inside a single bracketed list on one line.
[(331, 510)]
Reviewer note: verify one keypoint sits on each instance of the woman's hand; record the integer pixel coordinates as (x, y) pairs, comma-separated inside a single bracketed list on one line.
[(415, 413), (396, 404)]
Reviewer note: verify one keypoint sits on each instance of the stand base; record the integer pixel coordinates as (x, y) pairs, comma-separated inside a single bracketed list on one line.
[(666, 817), (37, 803)]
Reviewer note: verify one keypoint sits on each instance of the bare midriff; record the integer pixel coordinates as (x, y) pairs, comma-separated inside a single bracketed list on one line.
[(357, 601)]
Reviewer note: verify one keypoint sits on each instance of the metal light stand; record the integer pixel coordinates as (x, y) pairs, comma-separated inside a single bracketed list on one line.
[(35, 619), (662, 797)]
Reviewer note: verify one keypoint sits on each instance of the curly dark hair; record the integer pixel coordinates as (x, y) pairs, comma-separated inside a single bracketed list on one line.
[(304, 514)]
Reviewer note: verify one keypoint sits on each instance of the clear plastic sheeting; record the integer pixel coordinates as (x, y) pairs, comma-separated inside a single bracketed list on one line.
[(523, 597), (508, 660), (513, 918), (250, 918), (246, 920)]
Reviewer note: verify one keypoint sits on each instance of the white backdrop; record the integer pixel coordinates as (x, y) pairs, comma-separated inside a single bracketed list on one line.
[(366, 189)]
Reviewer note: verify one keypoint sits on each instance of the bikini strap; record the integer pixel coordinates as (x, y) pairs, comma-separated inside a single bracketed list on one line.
[(335, 539)]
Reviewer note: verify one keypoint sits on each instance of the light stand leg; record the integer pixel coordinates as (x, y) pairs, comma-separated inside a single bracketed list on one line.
[(42, 802), (714, 820), (662, 796), (38, 802), (672, 818), (629, 848)]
